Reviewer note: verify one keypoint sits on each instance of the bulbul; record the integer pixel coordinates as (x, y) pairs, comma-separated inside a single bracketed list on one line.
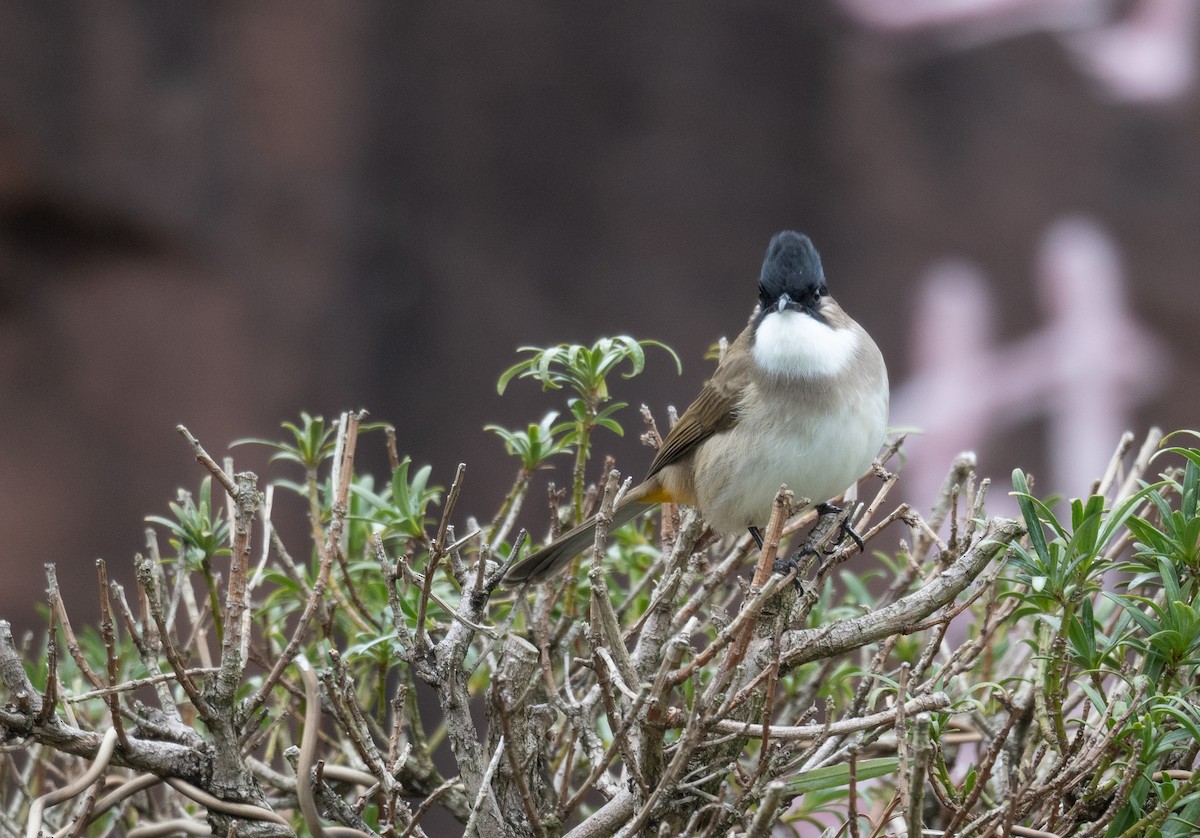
[(799, 398)]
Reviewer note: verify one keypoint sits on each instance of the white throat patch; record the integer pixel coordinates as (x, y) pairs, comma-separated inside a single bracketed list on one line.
[(796, 345)]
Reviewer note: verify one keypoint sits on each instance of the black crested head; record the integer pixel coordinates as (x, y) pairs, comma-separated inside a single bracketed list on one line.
[(792, 266)]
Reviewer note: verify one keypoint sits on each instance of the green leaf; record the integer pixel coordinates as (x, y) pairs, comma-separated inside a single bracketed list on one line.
[(1033, 524), (836, 776)]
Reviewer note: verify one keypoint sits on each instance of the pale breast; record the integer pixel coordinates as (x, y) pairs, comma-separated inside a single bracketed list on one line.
[(816, 434)]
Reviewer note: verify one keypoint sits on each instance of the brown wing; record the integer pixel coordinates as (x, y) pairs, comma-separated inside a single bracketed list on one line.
[(713, 411)]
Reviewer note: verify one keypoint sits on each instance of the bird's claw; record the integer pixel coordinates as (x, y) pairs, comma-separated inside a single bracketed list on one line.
[(792, 563), (844, 529)]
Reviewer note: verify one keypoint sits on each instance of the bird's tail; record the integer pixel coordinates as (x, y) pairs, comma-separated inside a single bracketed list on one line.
[(553, 557)]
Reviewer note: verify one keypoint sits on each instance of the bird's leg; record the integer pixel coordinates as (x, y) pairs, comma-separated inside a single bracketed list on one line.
[(783, 566), (818, 533), (824, 509)]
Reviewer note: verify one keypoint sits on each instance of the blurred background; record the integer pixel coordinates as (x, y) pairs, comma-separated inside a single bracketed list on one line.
[(223, 214)]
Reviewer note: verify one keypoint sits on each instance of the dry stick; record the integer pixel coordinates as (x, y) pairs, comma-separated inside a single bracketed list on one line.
[(754, 683), (268, 530), (393, 452), (514, 763), (977, 504), (983, 773), (450, 678), (748, 613), (365, 618), (209, 463), (919, 704), (33, 827), (685, 747), (604, 628), (360, 734), (160, 578), (600, 765), (663, 603), (650, 727), (1102, 486), (965, 655), (741, 627), (714, 579), (485, 784), (852, 797), (436, 552), (597, 757), (771, 673), (884, 624), (510, 508), (417, 578), (387, 569), (13, 675), (653, 626), (804, 645), (50, 696), (764, 818), (60, 611), (604, 682), (766, 560), (868, 512), (1140, 464), (947, 615), (108, 631), (426, 805), (308, 748), (563, 773), (145, 575), (489, 584), (150, 659), (326, 546), (289, 564), (246, 499), (916, 788), (885, 816), (341, 475), (1026, 832), (234, 643), (738, 632), (960, 470)]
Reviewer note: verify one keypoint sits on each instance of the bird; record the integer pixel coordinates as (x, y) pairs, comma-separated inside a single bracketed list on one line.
[(800, 399)]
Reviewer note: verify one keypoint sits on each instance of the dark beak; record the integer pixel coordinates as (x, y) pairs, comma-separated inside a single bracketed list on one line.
[(785, 302)]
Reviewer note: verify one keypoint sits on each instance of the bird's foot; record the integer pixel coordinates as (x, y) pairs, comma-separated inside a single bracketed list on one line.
[(844, 528), (793, 563)]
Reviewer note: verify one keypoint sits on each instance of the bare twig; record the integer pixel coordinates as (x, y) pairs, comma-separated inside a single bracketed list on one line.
[(437, 550), (803, 645), (482, 794), (328, 545), (60, 613), (108, 631)]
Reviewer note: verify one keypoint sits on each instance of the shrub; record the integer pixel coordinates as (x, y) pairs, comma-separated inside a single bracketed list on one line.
[(1032, 677)]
